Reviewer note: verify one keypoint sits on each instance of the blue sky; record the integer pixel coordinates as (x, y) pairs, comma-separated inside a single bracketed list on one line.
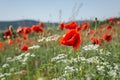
[(49, 10)]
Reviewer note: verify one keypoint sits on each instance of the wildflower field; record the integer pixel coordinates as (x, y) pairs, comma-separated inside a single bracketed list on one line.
[(70, 51)]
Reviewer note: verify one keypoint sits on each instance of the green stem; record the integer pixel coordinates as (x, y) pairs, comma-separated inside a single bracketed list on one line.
[(28, 73), (96, 23)]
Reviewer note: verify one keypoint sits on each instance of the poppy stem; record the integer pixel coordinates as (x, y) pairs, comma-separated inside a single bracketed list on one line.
[(28, 73), (96, 23)]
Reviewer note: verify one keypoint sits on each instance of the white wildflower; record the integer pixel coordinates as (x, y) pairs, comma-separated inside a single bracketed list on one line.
[(78, 59), (112, 73), (19, 72), (19, 57), (100, 68), (82, 58), (25, 59), (62, 77), (9, 58), (116, 66), (34, 47), (58, 57), (109, 67), (41, 78), (71, 69), (1, 75), (82, 79), (105, 63), (7, 74), (24, 63), (40, 40), (75, 60), (67, 71), (3, 78), (93, 60), (49, 38), (54, 79), (32, 55), (27, 54), (108, 53), (101, 51), (68, 67), (91, 47), (12, 69), (88, 76), (64, 61), (5, 65)]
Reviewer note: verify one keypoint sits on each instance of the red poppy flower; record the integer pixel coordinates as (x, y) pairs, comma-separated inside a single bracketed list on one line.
[(71, 25), (24, 36), (19, 30), (100, 30), (92, 32), (109, 27), (79, 28), (46, 73), (61, 26), (27, 30), (10, 41), (18, 40), (107, 37), (111, 20), (24, 72), (24, 48), (114, 29), (72, 38), (102, 26), (97, 41), (1, 45), (37, 29), (41, 24), (7, 33), (117, 22), (85, 26)]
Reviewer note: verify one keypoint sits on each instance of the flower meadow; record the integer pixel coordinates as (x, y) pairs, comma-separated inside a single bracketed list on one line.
[(70, 51)]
